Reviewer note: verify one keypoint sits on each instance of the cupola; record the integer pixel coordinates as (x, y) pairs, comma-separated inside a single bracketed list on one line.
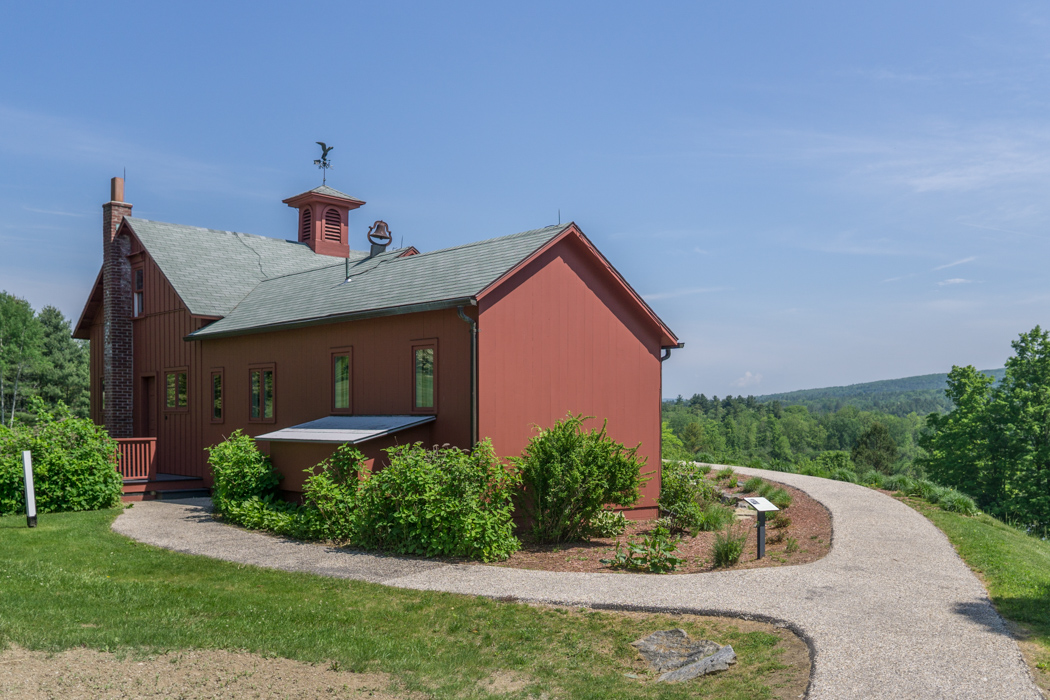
[(323, 213)]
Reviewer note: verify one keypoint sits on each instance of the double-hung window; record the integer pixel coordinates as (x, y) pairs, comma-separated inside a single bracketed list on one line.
[(216, 394), (176, 389), (138, 293), (424, 377), (261, 387), (342, 364)]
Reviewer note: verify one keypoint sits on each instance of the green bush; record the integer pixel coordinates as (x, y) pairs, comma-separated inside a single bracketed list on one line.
[(844, 475), (440, 502), (608, 523), (872, 478), (924, 489), (729, 545), (780, 498), (898, 482), (241, 472), (332, 492), (74, 464), (753, 484), (683, 494), (571, 474), (276, 516), (657, 553), (714, 516), (957, 502), (725, 474)]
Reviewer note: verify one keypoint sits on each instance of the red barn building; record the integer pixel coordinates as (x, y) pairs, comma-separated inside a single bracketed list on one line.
[(306, 344)]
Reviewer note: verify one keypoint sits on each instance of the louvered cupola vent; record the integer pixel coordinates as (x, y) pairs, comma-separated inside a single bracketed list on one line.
[(332, 225), (323, 219), (304, 230)]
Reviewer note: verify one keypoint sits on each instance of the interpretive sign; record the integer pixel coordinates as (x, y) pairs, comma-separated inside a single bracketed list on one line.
[(763, 506)]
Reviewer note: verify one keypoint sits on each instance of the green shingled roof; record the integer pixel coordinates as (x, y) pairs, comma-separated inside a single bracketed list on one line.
[(380, 285), (332, 192), (212, 271)]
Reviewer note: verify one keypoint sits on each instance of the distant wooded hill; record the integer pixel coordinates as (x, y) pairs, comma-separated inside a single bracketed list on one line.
[(923, 394)]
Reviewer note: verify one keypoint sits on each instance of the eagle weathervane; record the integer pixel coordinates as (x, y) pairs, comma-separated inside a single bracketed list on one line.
[(323, 162)]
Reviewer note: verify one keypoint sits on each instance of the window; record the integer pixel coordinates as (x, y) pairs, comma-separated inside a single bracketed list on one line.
[(137, 298), (175, 388), (261, 393), (333, 223), (424, 389), (342, 382), (216, 395)]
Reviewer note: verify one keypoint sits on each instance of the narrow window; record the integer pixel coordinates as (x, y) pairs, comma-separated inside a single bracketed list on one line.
[(261, 398), (175, 390), (423, 393), (216, 396), (341, 369), (138, 294)]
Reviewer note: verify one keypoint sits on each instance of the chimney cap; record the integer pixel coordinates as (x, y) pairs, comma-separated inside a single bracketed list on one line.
[(116, 189)]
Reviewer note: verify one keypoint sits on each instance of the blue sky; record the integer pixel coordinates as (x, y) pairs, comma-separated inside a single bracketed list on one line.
[(810, 194)]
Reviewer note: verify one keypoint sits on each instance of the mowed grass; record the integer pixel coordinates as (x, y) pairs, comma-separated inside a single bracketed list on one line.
[(72, 581), (1014, 566)]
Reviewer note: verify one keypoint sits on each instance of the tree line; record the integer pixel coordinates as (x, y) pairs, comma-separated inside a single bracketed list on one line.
[(39, 360), (743, 429)]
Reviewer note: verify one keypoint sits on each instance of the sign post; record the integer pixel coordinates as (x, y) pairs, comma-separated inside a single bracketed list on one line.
[(27, 465), (763, 506)]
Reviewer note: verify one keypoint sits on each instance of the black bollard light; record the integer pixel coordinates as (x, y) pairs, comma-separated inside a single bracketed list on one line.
[(27, 465), (763, 506)]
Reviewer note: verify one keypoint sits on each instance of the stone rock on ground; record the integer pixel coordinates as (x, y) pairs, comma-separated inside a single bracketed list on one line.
[(668, 650), (719, 661)]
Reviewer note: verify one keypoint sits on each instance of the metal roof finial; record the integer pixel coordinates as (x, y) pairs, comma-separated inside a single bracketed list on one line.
[(323, 163)]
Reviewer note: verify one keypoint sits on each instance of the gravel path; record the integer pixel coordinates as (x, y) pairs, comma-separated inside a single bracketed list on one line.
[(891, 612)]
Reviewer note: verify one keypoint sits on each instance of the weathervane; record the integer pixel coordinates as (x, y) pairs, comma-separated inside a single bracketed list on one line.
[(323, 163)]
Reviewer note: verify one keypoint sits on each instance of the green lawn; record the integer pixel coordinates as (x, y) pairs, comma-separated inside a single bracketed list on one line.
[(72, 581), (1015, 568)]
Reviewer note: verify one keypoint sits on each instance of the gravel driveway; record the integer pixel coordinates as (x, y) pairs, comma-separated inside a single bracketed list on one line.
[(890, 612)]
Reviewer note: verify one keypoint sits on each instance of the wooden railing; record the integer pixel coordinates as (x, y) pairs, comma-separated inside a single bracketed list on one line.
[(137, 457)]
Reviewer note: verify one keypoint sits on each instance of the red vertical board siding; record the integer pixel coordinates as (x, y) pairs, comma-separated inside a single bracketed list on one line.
[(562, 336), (381, 380)]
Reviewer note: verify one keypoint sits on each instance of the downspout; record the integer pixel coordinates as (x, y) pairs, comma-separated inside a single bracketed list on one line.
[(473, 375), (663, 358), (667, 353)]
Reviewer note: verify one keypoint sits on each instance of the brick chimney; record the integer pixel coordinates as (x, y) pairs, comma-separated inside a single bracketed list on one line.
[(117, 367)]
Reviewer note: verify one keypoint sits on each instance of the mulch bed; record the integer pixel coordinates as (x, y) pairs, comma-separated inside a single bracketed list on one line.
[(810, 527)]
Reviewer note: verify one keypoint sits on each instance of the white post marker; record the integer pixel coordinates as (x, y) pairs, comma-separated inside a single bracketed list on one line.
[(27, 464), (763, 506)]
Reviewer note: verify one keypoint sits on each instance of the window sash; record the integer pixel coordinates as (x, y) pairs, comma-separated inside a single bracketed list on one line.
[(262, 395), (216, 396), (341, 381), (176, 388), (424, 378)]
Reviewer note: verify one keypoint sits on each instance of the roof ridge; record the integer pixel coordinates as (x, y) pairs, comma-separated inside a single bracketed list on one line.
[(561, 227)]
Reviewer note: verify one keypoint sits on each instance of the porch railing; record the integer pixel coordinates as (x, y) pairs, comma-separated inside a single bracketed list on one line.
[(137, 457)]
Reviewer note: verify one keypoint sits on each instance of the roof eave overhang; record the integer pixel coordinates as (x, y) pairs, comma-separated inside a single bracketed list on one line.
[(336, 318), (300, 199), (82, 331)]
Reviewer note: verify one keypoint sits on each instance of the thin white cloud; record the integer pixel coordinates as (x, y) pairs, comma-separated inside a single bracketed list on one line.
[(954, 280), (957, 262), (701, 251), (748, 380), (682, 292), (53, 212)]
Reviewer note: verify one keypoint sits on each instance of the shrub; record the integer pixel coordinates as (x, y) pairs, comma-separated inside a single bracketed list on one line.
[(571, 474), (241, 472), (715, 516), (898, 482), (844, 475), (725, 474), (958, 503), (778, 520), (276, 516), (608, 523), (872, 478), (440, 502), (707, 458), (657, 553), (704, 469), (792, 545), (924, 489), (683, 493), (830, 460), (780, 498), (74, 464), (332, 492), (766, 489), (753, 484), (729, 545)]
